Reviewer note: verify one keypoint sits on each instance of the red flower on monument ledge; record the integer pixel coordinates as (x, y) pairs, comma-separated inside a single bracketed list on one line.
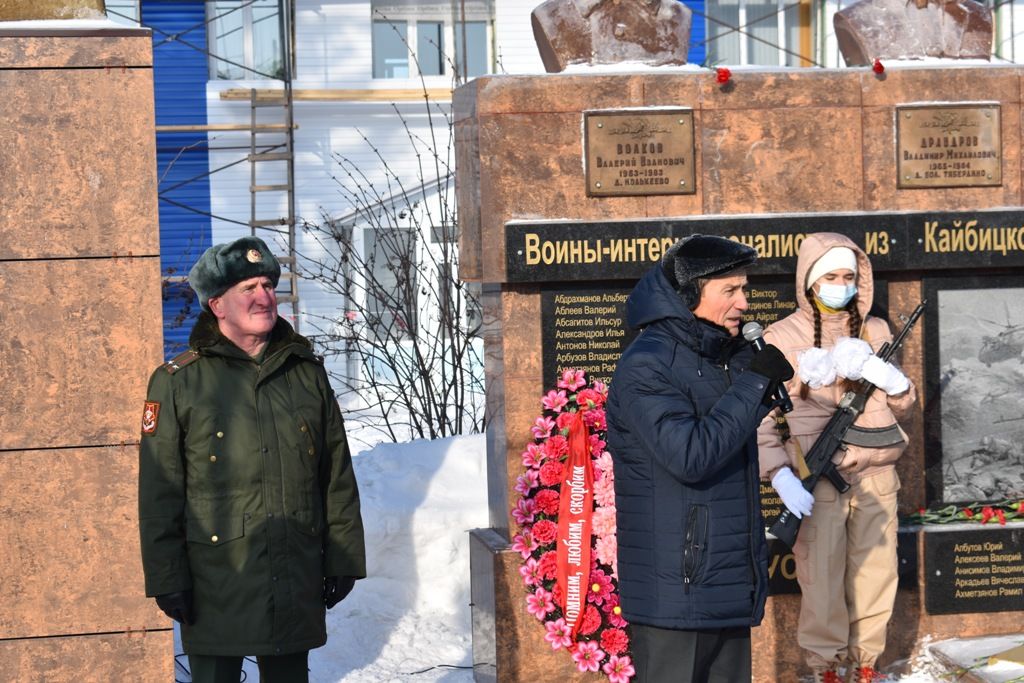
[(878, 67), (723, 75), (567, 437)]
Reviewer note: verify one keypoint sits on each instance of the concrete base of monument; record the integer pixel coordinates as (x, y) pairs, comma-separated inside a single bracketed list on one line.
[(509, 645)]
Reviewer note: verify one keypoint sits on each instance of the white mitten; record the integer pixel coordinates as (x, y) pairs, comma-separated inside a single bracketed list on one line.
[(816, 368), (885, 376), (795, 497), (849, 355)]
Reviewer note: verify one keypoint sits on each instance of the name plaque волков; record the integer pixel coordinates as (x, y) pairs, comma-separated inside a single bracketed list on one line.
[(948, 146), (631, 152)]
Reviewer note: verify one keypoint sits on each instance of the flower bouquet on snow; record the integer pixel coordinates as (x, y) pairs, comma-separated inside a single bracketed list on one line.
[(566, 514)]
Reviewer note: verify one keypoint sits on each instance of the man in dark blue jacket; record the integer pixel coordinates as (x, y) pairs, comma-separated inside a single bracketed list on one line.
[(683, 410)]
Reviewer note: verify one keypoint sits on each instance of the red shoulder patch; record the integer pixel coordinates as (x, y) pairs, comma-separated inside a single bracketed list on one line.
[(150, 416)]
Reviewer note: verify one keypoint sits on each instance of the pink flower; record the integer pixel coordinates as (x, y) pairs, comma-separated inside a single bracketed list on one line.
[(523, 511), (555, 401), (533, 456), (564, 420), (591, 620), (542, 427), (545, 531), (601, 388), (587, 656), (600, 587), (614, 612), (539, 603), (614, 641), (604, 489), (524, 543), (603, 462), (603, 521), (619, 669), (551, 473), (526, 482), (558, 634), (530, 573), (555, 447), (546, 502), (588, 398), (607, 550), (548, 565), (571, 380), (595, 419)]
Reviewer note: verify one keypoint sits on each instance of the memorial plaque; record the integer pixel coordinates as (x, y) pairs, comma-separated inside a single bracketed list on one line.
[(974, 421), (974, 571), (583, 328), (948, 146), (639, 152), (560, 251)]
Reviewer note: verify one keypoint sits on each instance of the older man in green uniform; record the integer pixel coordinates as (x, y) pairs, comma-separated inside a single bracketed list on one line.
[(248, 506)]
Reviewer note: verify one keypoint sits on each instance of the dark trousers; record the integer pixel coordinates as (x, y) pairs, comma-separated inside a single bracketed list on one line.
[(662, 655), (291, 668)]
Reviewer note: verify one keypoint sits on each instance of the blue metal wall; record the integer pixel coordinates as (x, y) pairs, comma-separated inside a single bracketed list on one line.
[(698, 32), (180, 74)]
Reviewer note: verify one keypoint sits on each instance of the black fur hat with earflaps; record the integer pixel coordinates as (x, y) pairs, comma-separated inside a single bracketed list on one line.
[(700, 256)]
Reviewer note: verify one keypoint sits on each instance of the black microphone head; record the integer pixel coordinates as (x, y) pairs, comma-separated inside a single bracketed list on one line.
[(752, 331)]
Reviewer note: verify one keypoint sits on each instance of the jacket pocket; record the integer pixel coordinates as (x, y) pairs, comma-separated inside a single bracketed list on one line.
[(308, 522), (695, 544), (214, 531)]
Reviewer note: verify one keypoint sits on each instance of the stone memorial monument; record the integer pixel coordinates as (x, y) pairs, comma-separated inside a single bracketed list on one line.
[(80, 274), (570, 186)]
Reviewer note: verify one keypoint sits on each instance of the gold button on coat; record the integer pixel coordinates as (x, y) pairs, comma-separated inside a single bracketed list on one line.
[(213, 458), (213, 538), (220, 435), (302, 428), (311, 451)]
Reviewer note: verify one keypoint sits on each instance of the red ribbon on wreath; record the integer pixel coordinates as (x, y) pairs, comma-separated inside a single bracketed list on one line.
[(575, 509)]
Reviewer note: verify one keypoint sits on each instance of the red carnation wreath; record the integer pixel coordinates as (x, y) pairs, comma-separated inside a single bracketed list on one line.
[(566, 514)]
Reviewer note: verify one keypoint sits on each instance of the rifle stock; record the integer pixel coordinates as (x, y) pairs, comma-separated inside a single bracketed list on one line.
[(819, 457)]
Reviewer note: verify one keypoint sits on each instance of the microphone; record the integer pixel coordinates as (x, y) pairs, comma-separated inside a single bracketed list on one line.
[(754, 333)]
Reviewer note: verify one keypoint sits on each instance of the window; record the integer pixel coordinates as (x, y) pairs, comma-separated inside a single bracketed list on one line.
[(391, 302), (123, 12), (763, 32), (245, 40), (414, 38)]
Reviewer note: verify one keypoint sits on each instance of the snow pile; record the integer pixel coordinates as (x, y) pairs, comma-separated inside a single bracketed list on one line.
[(419, 500)]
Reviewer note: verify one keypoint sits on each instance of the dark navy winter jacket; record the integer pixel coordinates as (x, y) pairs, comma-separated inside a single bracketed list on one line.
[(682, 420)]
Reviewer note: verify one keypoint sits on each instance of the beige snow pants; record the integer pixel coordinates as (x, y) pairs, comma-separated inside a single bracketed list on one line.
[(846, 568)]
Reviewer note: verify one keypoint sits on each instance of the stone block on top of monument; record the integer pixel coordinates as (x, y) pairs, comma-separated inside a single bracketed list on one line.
[(903, 29), (652, 32), (25, 10)]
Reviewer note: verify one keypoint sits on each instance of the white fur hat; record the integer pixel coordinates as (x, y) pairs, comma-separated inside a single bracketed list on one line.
[(836, 258)]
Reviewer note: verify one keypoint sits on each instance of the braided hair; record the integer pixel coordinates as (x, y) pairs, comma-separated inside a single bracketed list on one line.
[(855, 324)]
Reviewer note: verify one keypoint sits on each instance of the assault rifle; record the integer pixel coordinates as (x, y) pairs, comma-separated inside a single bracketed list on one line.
[(819, 457)]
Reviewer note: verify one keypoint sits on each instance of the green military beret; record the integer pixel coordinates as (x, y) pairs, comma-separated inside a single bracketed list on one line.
[(225, 265)]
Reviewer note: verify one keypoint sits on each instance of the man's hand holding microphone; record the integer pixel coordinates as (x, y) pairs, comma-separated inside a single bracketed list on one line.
[(772, 363)]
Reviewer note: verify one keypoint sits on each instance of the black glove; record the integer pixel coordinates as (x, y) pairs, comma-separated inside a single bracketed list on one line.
[(177, 606), (771, 363), (336, 588)]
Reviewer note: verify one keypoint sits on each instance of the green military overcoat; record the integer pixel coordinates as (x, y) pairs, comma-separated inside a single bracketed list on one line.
[(246, 492)]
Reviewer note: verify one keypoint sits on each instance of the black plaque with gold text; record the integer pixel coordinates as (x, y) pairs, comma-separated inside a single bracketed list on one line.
[(974, 570), (639, 152), (948, 146)]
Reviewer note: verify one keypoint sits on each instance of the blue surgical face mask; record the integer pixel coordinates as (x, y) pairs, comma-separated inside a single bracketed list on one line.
[(836, 296)]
